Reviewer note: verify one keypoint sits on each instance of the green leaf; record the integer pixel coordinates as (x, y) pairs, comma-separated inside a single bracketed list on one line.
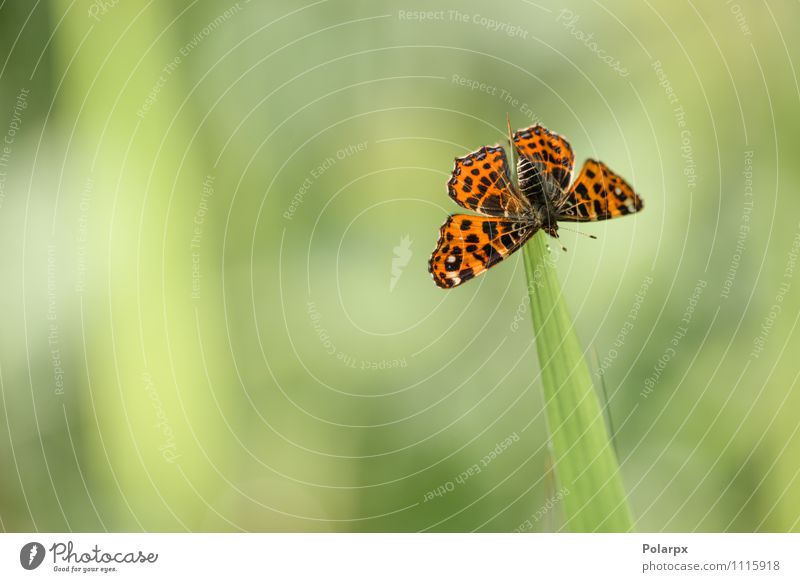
[(585, 463)]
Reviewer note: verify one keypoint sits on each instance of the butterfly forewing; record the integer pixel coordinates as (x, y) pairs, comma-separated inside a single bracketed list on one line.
[(481, 181), (544, 156)]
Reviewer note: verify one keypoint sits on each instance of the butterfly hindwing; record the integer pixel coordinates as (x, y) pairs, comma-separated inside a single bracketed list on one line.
[(469, 245), (481, 181), (598, 194)]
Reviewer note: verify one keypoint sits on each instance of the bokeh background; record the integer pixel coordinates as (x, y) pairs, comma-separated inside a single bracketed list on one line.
[(215, 220)]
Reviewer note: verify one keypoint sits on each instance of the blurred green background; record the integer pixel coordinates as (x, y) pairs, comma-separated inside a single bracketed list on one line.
[(215, 223)]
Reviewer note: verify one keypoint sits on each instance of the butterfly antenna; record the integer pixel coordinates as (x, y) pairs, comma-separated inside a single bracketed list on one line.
[(510, 141), (577, 232)]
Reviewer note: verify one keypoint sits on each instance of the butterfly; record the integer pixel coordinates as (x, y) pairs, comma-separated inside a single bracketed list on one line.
[(512, 213)]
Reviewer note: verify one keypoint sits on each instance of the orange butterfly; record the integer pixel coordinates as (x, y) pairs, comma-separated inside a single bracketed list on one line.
[(481, 181)]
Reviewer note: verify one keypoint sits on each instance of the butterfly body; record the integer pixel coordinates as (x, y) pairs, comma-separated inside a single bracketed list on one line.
[(512, 212)]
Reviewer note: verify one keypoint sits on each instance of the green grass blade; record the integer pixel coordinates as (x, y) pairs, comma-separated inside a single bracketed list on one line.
[(585, 463)]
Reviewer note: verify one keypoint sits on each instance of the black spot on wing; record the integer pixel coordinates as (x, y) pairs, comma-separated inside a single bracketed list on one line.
[(492, 254), (492, 202), (466, 274)]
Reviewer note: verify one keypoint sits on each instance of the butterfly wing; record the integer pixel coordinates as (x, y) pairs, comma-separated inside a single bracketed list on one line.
[(481, 181), (598, 194), (469, 245), (545, 164)]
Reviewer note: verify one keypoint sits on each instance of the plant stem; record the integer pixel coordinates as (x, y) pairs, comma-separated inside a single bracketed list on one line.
[(585, 462)]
